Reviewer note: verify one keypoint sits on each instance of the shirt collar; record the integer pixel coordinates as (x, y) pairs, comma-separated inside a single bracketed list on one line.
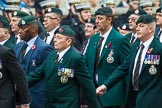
[(106, 34), (3, 42), (148, 42), (61, 54)]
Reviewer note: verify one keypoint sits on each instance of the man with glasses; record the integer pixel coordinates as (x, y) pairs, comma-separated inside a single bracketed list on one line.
[(52, 20), (132, 37)]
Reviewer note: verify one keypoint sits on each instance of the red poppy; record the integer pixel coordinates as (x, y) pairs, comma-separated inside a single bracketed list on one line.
[(33, 47), (109, 45)]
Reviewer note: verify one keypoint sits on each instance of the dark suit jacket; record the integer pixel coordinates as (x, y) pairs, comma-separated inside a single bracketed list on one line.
[(11, 74), (65, 95), (129, 37), (120, 47), (32, 60), (149, 94)]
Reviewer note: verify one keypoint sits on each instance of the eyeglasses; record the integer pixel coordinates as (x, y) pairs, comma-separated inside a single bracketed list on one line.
[(49, 17)]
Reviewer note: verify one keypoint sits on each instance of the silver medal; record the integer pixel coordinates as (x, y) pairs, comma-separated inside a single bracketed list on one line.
[(152, 70)]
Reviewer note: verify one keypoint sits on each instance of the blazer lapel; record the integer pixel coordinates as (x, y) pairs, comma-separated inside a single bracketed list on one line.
[(105, 47), (133, 55), (152, 45)]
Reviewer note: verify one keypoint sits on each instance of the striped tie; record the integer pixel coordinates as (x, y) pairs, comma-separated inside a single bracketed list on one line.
[(98, 51), (136, 71), (23, 51), (132, 40), (159, 34)]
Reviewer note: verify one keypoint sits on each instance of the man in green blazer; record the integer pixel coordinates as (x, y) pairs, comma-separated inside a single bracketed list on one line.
[(114, 50), (65, 72), (5, 34), (144, 88)]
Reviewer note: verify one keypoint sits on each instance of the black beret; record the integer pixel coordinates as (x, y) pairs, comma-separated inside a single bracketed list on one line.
[(92, 21), (159, 10), (146, 19), (138, 12), (124, 26), (65, 30), (104, 11)]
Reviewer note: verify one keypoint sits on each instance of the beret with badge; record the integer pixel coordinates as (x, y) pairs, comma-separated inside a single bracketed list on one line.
[(138, 12), (19, 14), (124, 26), (65, 30), (54, 10), (4, 24), (104, 11), (27, 20), (145, 19)]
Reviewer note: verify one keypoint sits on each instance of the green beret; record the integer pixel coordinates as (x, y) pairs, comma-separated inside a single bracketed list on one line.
[(139, 12), (104, 11), (54, 10), (27, 20), (65, 30), (4, 24), (146, 19), (159, 10), (19, 14)]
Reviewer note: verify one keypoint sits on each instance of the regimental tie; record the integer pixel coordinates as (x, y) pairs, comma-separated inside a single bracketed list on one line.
[(159, 34), (23, 51), (132, 39), (137, 68), (45, 38), (98, 51)]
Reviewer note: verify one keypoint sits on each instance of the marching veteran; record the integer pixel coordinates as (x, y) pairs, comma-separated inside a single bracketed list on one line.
[(143, 68), (65, 72), (11, 74)]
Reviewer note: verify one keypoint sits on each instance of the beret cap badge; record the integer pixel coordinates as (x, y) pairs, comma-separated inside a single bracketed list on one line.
[(124, 26), (137, 11), (23, 22), (15, 13), (61, 30), (49, 9)]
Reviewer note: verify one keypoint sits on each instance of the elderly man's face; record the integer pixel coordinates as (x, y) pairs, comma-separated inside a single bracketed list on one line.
[(61, 42)]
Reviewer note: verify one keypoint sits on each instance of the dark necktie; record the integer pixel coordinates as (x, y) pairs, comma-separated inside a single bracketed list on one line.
[(159, 34), (23, 51), (45, 39), (132, 39), (136, 71), (98, 52), (84, 46), (57, 57)]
